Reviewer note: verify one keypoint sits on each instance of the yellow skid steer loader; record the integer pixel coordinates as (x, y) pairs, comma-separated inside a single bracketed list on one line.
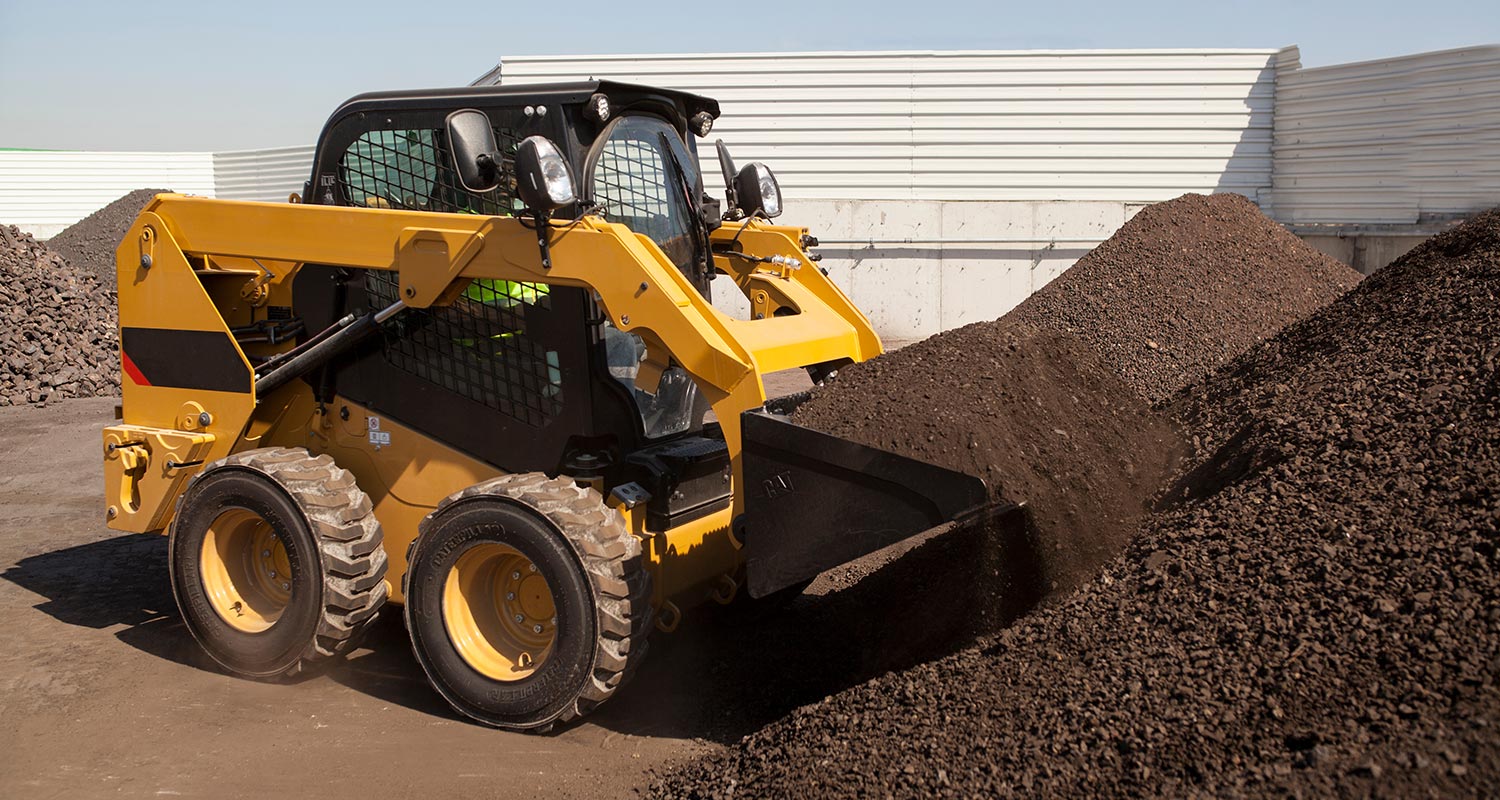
[(473, 370)]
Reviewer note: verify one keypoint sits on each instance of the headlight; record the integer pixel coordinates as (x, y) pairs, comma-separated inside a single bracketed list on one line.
[(543, 179), (770, 191), (755, 189)]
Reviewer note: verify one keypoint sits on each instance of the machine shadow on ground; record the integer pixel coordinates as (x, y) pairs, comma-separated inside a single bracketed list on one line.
[(118, 581), (725, 672), (728, 671)]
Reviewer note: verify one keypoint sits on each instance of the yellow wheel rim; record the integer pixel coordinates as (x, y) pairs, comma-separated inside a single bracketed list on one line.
[(499, 612), (245, 570)]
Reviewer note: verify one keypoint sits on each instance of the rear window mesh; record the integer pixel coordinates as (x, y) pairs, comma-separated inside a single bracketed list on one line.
[(411, 170), (477, 347)]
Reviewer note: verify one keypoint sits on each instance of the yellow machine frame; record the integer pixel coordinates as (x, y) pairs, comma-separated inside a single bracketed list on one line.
[(203, 265)]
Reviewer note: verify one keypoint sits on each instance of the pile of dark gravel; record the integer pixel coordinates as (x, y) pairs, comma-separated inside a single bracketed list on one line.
[(1317, 617), (1186, 286), (1045, 403), (58, 335), (1038, 417), (90, 243)]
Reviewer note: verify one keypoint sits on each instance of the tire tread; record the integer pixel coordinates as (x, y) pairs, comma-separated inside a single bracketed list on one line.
[(342, 521), (612, 559)]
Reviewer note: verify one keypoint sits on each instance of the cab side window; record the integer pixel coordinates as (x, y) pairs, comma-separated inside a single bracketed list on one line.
[(411, 170), (480, 347), (637, 181)]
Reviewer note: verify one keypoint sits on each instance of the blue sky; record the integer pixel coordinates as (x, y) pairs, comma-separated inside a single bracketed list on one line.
[(210, 76)]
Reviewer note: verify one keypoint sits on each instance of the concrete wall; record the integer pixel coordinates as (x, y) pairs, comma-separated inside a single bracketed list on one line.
[(946, 187), (1365, 252)]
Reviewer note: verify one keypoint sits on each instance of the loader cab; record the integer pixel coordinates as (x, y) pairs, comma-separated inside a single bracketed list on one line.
[(528, 377)]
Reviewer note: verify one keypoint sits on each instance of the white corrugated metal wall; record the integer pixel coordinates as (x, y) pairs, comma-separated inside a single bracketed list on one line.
[(1394, 141), (1110, 125), (949, 186), (264, 175), (46, 191)]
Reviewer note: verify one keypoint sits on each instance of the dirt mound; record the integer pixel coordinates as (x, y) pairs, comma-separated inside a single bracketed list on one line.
[(90, 243), (1184, 287), (58, 333), (1317, 620), (1038, 417)]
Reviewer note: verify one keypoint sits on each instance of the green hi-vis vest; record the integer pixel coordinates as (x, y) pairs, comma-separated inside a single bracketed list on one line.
[(505, 293)]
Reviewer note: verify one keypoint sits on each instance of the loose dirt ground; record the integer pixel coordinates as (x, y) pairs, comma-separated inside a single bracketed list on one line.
[(104, 693)]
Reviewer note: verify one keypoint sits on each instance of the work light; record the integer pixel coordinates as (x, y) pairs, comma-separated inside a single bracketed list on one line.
[(702, 123), (598, 107)]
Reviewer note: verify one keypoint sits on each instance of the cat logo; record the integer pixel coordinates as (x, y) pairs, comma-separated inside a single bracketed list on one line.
[(778, 485)]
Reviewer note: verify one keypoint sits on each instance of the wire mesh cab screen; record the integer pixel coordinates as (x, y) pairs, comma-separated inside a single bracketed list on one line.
[(478, 347)]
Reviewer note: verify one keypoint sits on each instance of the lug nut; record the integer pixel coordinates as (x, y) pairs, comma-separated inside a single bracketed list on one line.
[(532, 567), (520, 618), (265, 554), (515, 576), (286, 586), (536, 629), (510, 595)]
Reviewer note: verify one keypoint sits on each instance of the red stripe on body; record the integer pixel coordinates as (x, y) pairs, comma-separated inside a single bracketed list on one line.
[(131, 370)]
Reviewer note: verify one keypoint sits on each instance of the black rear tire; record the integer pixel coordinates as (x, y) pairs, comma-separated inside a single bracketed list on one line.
[(276, 561)]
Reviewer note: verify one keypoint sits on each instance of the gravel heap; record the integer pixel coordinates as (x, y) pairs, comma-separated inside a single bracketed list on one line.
[(1318, 617), (1186, 286), (90, 243), (1034, 403), (1039, 417), (58, 333)]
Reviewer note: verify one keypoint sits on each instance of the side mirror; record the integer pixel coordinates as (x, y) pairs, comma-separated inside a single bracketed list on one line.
[(726, 168), (476, 156), (544, 181), (756, 190)]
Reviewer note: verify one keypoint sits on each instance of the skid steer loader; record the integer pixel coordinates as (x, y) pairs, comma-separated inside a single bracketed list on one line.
[(470, 370)]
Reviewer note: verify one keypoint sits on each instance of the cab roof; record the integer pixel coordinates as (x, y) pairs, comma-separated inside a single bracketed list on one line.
[(621, 95)]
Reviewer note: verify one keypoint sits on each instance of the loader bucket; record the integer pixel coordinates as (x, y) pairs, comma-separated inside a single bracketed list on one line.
[(814, 501)]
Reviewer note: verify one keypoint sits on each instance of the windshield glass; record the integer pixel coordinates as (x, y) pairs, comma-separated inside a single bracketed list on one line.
[(635, 177)]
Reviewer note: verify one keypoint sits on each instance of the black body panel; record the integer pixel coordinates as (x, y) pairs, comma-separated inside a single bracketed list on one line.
[(515, 443), (185, 359)]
